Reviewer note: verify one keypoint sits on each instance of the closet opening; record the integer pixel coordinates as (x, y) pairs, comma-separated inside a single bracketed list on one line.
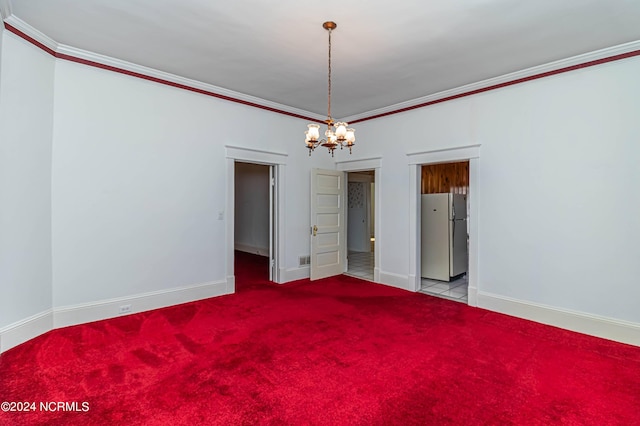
[(254, 222)]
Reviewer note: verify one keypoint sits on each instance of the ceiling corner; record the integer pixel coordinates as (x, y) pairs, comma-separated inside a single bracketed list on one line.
[(5, 9), (31, 32)]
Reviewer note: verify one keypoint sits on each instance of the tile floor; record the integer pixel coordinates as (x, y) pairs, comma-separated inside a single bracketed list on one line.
[(454, 290), (361, 265)]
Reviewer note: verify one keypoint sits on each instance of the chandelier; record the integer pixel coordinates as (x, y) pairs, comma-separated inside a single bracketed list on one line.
[(338, 134)]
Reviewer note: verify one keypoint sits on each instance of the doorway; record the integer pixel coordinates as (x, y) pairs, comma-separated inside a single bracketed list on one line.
[(360, 203), (444, 230), (253, 217), (276, 163), (470, 153)]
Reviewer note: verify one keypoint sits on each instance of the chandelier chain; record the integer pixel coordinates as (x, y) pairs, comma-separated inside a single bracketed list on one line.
[(329, 94)]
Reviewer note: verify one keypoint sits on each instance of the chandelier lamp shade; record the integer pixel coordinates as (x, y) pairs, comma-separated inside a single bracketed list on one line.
[(337, 134)]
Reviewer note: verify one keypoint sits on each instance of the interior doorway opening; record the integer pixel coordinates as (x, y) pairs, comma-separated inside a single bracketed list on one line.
[(444, 230), (361, 238), (254, 222)]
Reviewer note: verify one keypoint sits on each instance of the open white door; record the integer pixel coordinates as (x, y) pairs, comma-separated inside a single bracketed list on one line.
[(272, 218), (327, 223)]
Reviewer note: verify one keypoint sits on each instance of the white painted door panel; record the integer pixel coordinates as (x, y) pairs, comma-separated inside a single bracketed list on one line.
[(327, 223)]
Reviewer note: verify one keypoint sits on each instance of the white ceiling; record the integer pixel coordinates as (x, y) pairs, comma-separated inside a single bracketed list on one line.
[(384, 52)]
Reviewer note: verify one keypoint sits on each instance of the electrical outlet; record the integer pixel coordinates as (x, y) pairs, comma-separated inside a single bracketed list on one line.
[(125, 309)]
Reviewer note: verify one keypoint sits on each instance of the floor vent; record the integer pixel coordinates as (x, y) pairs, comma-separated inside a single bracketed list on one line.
[(304, 260)]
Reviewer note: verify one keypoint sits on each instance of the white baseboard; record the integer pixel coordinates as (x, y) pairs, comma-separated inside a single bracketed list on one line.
[(594, 325), (294, 274), (26, 329), (104, 309), (261, 251), (396, 280)]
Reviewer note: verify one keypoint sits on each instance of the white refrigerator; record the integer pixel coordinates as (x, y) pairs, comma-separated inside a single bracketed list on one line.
[(444, 236)]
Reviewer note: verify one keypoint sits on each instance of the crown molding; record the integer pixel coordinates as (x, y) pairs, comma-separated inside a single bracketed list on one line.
[(5, 9), (35, 37), (62, 51), (569, 64), (89, 58)]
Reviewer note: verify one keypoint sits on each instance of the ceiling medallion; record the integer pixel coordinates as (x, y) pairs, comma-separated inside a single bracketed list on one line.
[(336, 135)]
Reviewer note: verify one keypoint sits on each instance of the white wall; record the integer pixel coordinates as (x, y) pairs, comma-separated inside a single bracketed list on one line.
[(252, 208), (558, 186), (111, 191), (26, 111), (139, 181)]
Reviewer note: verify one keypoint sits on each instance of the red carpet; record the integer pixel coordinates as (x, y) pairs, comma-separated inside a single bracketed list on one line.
[(334, 352)]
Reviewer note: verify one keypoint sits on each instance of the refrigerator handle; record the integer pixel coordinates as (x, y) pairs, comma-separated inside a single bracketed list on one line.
[(453, 210), (453, 234)]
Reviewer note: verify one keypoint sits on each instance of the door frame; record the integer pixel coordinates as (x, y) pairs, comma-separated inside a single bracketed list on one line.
[(374, 164), (268, 158), (469, 153)]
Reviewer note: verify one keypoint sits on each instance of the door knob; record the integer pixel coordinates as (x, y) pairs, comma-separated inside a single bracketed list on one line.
[(315, 230)]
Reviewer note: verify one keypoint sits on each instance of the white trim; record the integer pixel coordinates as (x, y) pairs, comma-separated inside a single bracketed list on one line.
[(395, 280), (150, 72), (32, 32), (230, 208), (5, 10), (25, 329), (355, 165), (472, 296), (474, 225), (260, 251), (376, 272), (253, 155), (506, 78), (377, 225), (594, 325), (231, 284), (294, 274), (35, 325), (414, 282), (280, 173), (105, 309), (415, 245), (444, 155), (256, 156)]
